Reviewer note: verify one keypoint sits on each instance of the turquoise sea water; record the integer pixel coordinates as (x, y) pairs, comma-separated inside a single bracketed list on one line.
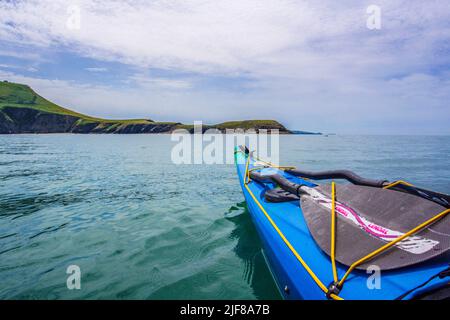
[(140, 227)]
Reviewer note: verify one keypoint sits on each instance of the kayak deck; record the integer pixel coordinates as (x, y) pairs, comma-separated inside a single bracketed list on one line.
[(300, 268)]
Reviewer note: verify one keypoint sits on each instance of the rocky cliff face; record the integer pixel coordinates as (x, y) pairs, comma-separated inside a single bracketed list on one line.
[(27, 120)]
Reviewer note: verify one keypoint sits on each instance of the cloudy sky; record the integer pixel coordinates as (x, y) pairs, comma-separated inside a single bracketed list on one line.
[(313, 65)]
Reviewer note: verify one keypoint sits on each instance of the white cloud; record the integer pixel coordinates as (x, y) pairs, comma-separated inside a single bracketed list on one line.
[(96, 69), (32, 69), (224, 36), (21, 54), (154, 82), (16, 67), (7, 66)]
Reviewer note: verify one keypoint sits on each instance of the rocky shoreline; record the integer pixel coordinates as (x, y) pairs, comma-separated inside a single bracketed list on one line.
[(15, 120)]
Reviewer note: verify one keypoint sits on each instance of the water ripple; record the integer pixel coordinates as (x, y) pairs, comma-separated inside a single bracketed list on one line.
[(141, 227)]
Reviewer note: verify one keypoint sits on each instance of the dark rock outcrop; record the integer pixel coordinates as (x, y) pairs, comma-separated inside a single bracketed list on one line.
[(28, 120), (6, 125), (145, 128)]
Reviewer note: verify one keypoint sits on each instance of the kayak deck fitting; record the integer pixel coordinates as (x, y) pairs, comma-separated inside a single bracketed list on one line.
[(322, 241)]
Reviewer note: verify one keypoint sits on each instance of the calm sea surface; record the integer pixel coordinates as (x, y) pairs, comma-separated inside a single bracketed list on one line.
[(140, 227)]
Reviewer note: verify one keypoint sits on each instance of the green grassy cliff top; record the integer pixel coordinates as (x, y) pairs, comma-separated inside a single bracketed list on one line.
[(249, 124), (22, 96)]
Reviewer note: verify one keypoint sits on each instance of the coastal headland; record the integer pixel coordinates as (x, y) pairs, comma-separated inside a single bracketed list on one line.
[(22, 110)]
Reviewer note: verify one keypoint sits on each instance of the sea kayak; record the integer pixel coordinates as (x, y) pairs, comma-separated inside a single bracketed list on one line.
[(354, 241)]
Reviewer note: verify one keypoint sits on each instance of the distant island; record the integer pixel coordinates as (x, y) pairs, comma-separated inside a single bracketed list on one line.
[(22, 110)]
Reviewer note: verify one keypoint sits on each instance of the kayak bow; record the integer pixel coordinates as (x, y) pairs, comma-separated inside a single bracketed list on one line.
[(326, 241)]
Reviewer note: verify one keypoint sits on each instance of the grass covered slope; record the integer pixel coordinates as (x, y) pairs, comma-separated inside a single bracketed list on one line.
[(22, 110), (251, 124), (22, 96)]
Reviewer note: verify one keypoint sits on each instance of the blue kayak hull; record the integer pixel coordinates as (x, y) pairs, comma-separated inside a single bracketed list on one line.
[(300, 268)]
